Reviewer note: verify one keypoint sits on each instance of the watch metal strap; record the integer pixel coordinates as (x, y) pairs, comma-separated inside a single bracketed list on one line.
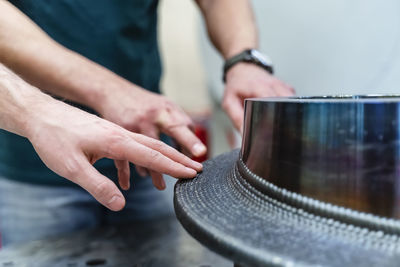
[(249, 57)]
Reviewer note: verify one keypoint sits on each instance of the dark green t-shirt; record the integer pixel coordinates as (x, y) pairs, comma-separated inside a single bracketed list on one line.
[(120, 35)]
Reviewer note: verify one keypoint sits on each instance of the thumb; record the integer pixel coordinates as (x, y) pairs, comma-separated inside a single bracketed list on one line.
[(233, 106), (100, 187)]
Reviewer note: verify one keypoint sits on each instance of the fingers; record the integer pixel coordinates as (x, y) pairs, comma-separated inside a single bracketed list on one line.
[(176, 125), (186, 138), (233, 102), (233, 106), (158, 180), (282, 89), (152, 159), (123, 173), (150, 130), (100, 187), (169, 152), (123, 178)]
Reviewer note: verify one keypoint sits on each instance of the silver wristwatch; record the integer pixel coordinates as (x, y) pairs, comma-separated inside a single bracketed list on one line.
[(250, 56)]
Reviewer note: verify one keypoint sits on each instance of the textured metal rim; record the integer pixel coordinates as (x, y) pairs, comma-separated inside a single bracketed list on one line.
[(213, 207), (342, 150), (371, 98), (345, 215)]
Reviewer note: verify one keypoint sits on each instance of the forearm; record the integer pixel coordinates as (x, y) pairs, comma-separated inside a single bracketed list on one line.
[(31, 53), (18, 102), (230, 24)]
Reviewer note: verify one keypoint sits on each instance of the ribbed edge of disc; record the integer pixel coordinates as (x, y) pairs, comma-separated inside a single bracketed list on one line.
[(229, 215), (346, 215)]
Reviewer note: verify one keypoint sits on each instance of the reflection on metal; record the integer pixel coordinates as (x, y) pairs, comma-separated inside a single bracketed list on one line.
[(344, 150)]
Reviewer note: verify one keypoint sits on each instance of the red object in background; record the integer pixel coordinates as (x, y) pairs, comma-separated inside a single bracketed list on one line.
[(201, 131)]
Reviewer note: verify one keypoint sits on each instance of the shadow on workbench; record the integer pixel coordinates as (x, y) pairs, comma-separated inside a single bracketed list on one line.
[(156, 243)]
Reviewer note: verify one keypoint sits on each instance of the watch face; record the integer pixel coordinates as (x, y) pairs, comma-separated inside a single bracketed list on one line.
[(262, 58)]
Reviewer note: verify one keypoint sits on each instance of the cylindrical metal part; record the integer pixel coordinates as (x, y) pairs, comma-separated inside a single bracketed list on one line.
[(343, 150)]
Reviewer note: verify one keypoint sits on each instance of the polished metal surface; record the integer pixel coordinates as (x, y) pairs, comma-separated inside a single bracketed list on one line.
[(343, 150)]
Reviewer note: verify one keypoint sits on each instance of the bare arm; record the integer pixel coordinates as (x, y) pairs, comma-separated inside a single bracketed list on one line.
[(31, 53), (14, 115), (232, 29), (69, 141), (230, 25), (44, 63)]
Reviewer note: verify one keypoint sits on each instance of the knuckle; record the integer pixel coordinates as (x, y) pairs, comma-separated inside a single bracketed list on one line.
[(101, 189), (153, 159), (186, 119), (174, 129), (154, 155), (267, 87), (128, 124), (73, 168), (158, 145), (141, 115), (168, 103), (148, 116), (151, 113), (114, 143), (169, 106)]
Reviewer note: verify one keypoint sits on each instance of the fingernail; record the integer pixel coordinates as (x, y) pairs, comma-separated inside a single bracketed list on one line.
[(198, 149), (112, 200), (163, 186), (116, 203), (191, 172), (126, 187), (198, 165)]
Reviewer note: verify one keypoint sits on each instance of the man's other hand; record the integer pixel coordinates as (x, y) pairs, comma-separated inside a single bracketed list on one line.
[(245, 80), (140, 111)]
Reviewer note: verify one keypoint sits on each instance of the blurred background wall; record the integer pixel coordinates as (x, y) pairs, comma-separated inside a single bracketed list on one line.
[(329, 47), (186, 78), (319, 47), (184, 74)]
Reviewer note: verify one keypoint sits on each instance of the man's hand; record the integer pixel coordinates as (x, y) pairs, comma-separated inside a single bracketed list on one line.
[(245, 80), (232, 29), (140, 111), (69, 141)]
